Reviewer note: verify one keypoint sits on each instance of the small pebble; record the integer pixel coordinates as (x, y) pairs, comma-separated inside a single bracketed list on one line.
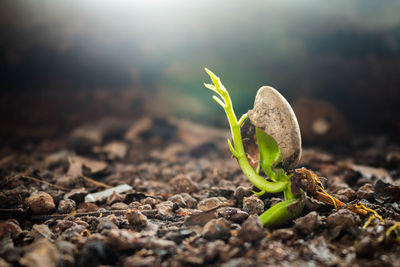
[(184, 200), (366, 192), (348, 192), (239, 262), (40, 253), (217, 229), (308, 224), (66, 206), (179, 200), (145, 207), (137, 261), (365, 248), (10, 227), (119, 206), (235, 241), (77, 194), (283, 234), (41, 203), (252, 229), (105, 225), (183, 183), (191, 202), (136, 218), (233, 214), (135, 205), (242, 192), (150, 201), (210, 203), (158, 243), (341, 220), (115, 197), (67, 251), (253, 205), (165, 209), (125, 239)]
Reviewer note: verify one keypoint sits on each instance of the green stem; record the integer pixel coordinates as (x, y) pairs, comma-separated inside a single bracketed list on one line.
[(288, 194), (238, 149)]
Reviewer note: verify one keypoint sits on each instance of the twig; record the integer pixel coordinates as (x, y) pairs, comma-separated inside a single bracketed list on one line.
[(97, 183), (44, 182)]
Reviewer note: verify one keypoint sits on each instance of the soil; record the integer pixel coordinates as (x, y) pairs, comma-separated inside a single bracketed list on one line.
[(186, 202)]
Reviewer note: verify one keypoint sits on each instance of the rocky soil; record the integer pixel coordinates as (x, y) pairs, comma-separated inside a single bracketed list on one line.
[(159, 192)]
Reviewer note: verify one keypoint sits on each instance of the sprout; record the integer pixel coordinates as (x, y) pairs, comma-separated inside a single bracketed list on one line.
[(270, 160)]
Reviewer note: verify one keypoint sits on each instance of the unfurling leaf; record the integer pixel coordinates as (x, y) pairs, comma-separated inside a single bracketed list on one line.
[(270, 153)]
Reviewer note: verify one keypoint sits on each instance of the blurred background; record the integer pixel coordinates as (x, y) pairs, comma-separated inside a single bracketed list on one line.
[(66, 62)]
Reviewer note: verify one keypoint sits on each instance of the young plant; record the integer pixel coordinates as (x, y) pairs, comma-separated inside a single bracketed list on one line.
[(277, 166), (270, 159)]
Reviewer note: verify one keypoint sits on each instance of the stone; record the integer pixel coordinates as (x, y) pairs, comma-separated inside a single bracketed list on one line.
[(10, 227), (67, 250), (39, 231), (41, 203), (165, 209), (136, 218), (191, 202), (233, 214), (348, 192), (125, 239), (77, 194), (365, 248), (210, 203), (158, 243), (40, 253), (308, 224), (341, 220), (184, 200), (66, 206), (115, 197), (253, 205), (119, 206), (183, 184), (252, 229), (137, 261), (241, 192), (366, 192), (150, 201), (239, 262), (283, 234), (179, 200), (217, 229), (105, 225)]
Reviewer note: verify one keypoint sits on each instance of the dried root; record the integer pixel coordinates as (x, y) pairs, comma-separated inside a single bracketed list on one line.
[(315, 188)]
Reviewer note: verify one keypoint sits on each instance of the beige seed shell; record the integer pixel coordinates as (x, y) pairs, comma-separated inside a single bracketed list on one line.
[(273, 114)]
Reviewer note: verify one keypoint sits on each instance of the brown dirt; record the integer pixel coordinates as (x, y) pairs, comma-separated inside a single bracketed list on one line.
[(189, 204)]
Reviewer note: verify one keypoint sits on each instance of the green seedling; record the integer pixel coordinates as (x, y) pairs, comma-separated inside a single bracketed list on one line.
[(270, 158), (277, 165)]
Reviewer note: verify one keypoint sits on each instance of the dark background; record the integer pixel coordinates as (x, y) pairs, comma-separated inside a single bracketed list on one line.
[(66, 62)]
